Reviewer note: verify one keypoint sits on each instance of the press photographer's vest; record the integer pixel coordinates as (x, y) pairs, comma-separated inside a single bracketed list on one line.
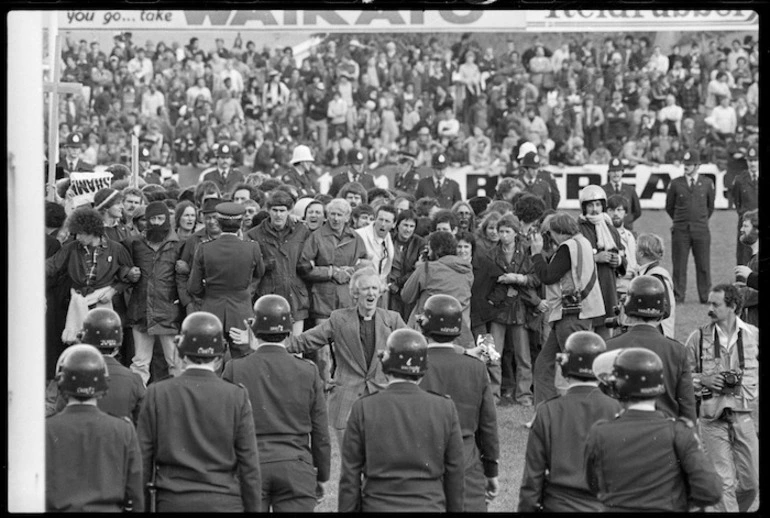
[(593, 303)]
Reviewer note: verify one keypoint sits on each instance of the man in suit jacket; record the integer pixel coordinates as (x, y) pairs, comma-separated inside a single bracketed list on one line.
[(615, 185), (70, 163), (354, 174), (465, 379), (225, 272), (446, 191), (690, 204), (290, 416), (196, 431), (223, 174), (403, 443), (356, 333)]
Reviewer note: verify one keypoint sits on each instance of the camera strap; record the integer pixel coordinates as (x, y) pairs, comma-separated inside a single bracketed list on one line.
[(584, 293), (718, 347)]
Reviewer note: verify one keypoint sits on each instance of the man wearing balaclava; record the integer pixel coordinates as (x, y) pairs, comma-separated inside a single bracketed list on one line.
[(151, 310), (609, 253)]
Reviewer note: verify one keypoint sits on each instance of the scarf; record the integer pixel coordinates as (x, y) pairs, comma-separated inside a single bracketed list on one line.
[(604, 240)]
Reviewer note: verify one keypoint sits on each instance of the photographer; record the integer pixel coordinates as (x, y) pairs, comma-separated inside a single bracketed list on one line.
[(571, 290), (723, 358)]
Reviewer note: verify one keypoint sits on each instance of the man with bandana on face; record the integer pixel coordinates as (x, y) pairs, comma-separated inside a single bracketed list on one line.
[(747, 277), (745, 192), (152, 309)]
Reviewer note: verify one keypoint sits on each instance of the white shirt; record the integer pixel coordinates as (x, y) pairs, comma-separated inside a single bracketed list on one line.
[(375, 250)]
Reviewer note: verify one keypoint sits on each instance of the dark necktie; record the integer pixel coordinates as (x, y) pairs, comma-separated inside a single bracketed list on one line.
[(617, 188), (754, 180), (692, 183), (72, 166), (438, 187)]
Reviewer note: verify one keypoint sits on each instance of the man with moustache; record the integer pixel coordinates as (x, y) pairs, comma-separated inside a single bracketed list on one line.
[(617, 210), (379, 246), (745, 191), (690, 204), (723, 358), (748, 276), (223, 174), (615, 186), (152, 309), (209, 232)]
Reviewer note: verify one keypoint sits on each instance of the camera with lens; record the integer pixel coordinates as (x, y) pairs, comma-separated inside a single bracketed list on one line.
[(571, 303), (732, 383)]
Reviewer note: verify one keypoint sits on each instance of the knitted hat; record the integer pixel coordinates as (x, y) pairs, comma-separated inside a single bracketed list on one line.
[(156, 208)]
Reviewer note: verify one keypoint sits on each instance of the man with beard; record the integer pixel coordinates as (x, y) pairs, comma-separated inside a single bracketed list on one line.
[(609, 254), (745, 192), (617, 210), (747, 277), (223, 174), (225, 272), (379, 246), (209, 232), (615, 186), (152, 310)]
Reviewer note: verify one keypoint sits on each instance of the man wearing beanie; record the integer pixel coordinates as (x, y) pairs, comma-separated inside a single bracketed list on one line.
[(152, 311), (109, 203)]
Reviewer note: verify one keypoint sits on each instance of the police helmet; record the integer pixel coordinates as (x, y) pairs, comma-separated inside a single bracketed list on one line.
[(646, 298), (442, 316), (272, 316), (632, 372), (406, 353), (102, 329), (81, 372), (201, 336), (581, 350)]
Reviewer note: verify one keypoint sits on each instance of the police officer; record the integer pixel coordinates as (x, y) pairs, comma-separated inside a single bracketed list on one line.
[(405, 442), (615, 186), (554, 472), (301, 166), (287, 396), (223, 174), (355, 173), (406, 178), (745, 192), (70, 163), (93, 462), (465, 380), (528, 147), (535, 182), (225, 272), (642, 460), (102, 329), (149, 174), (445, 190), (690, 203), (196, 431), (645, 306)]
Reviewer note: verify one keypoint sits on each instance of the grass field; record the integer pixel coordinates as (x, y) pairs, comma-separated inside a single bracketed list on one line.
[(513, 435)]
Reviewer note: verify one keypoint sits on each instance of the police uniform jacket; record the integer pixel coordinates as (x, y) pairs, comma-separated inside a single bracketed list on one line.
[(353, 378), (322, 250), (679, 399), (634, 206), (153, 307), (465, 380), (342, 179), (281, 253), (93, 462), (605, 274), (301, 182), (449, 195), (63, 168), (222, 275), (554, 470), (543, 189), (225, 184), (186, 254), (407, 444), (406, 183), (198, 430), (123, 399), (690, 210), (287, 396), (745, 193), (645, 461)]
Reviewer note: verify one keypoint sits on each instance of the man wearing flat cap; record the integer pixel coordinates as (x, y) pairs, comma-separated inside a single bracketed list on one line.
[(225, 273), (70, 162), (690, 204), (355, 173), (615, 186), (223, 174), (445, 190)]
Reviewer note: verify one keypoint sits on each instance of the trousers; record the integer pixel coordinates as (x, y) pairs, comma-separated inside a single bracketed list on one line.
[(288, 486), (682, 241), (545, 365), (518, 354), (143, 346)]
